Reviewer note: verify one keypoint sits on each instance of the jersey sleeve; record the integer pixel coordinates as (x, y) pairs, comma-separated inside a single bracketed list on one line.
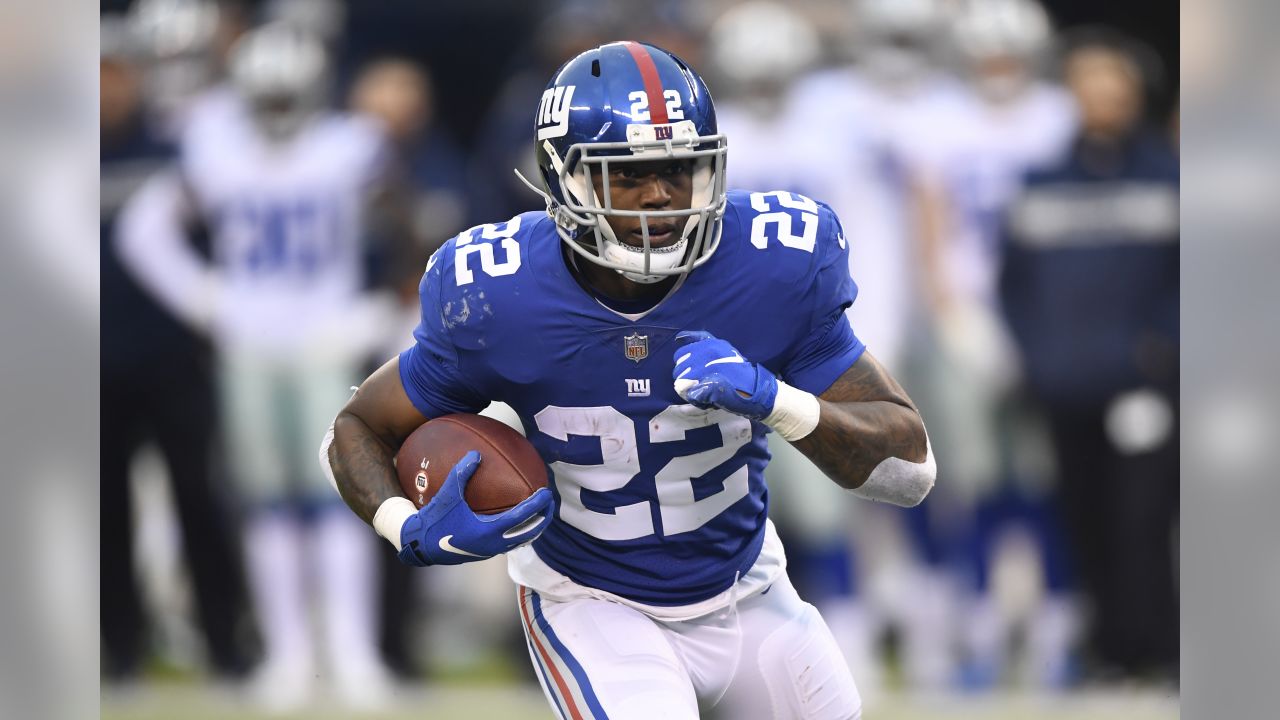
[(828, 345), (430, 370)]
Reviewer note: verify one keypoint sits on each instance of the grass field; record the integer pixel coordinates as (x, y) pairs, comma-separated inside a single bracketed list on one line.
[(188, 701)]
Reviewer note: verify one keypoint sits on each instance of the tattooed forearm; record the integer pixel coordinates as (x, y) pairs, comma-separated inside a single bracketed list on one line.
[(866, 417), (361, 463)]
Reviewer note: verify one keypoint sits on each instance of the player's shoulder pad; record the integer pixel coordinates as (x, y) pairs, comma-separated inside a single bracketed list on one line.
[(477, 275), (790, 237)]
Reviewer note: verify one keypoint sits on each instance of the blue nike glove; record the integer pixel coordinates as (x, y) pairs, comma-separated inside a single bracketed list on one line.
[(710, 373), (448, 532)]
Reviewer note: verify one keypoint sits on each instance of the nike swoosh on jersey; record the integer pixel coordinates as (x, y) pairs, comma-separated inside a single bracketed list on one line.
[(734, 359), (448, 546)]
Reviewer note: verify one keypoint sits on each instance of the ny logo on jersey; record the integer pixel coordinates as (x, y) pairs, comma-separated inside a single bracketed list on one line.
[(637, 387), (636, 346)]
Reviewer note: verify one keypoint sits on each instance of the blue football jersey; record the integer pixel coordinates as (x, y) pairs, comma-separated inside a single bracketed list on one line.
[(658, 501)]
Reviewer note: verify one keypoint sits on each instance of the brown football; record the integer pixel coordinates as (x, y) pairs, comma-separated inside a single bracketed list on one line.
[(510, 469)]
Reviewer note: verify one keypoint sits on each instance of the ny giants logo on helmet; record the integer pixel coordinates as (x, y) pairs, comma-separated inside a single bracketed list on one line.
[(553, 112)]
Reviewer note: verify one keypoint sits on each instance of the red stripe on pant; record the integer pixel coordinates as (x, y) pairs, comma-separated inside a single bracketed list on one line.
[(522, 594)]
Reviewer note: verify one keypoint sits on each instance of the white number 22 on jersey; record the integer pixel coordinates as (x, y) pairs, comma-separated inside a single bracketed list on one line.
[(677, 506), (488, 262), (783, 219)]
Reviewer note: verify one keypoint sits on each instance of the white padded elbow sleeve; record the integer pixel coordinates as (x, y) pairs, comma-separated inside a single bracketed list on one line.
[(325, 467), (900, 482)]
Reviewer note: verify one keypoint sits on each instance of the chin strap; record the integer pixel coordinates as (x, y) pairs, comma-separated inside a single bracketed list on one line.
[(555, 211)]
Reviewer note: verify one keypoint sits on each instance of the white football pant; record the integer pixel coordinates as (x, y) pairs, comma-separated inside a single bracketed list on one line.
[(769, 655)]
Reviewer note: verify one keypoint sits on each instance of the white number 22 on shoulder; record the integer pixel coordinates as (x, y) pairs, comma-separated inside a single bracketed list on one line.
[(504, 232), (784, 220)]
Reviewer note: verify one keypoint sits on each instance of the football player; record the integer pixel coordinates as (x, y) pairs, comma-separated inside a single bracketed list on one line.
[(283, 187), (183, 42), (650, 329), (762, 50), (1012, 122), (879, 115)]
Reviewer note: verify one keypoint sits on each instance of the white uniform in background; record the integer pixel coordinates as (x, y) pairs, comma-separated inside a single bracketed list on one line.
[(979, 162), (980, 154), (838, 166), (974, 159), (976, 154), (895, 120), (837, 136), (880, 136), (286, 222), (872, 122), (282, 298)]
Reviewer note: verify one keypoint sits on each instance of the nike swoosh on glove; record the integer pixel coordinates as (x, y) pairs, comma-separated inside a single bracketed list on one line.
[(448, 532), (710, 373)]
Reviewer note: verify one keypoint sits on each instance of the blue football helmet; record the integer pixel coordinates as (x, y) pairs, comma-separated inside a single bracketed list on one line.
[(629, 102)]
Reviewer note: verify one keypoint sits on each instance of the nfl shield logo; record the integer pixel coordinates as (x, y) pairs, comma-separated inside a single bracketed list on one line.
[(636, 346)]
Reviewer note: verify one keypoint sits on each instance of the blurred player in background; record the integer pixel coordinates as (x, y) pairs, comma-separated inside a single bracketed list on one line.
[(896, 48), (640, 327), (283, 185), (785, 140), (1009, 122), (879, 113), (757, 50), (432, 175), (184, 43), (157, 387), (1090, 286)]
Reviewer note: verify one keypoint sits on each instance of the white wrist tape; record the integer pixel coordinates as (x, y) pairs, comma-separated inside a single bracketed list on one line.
[(795, 413), (900, 482), (390, 517)]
